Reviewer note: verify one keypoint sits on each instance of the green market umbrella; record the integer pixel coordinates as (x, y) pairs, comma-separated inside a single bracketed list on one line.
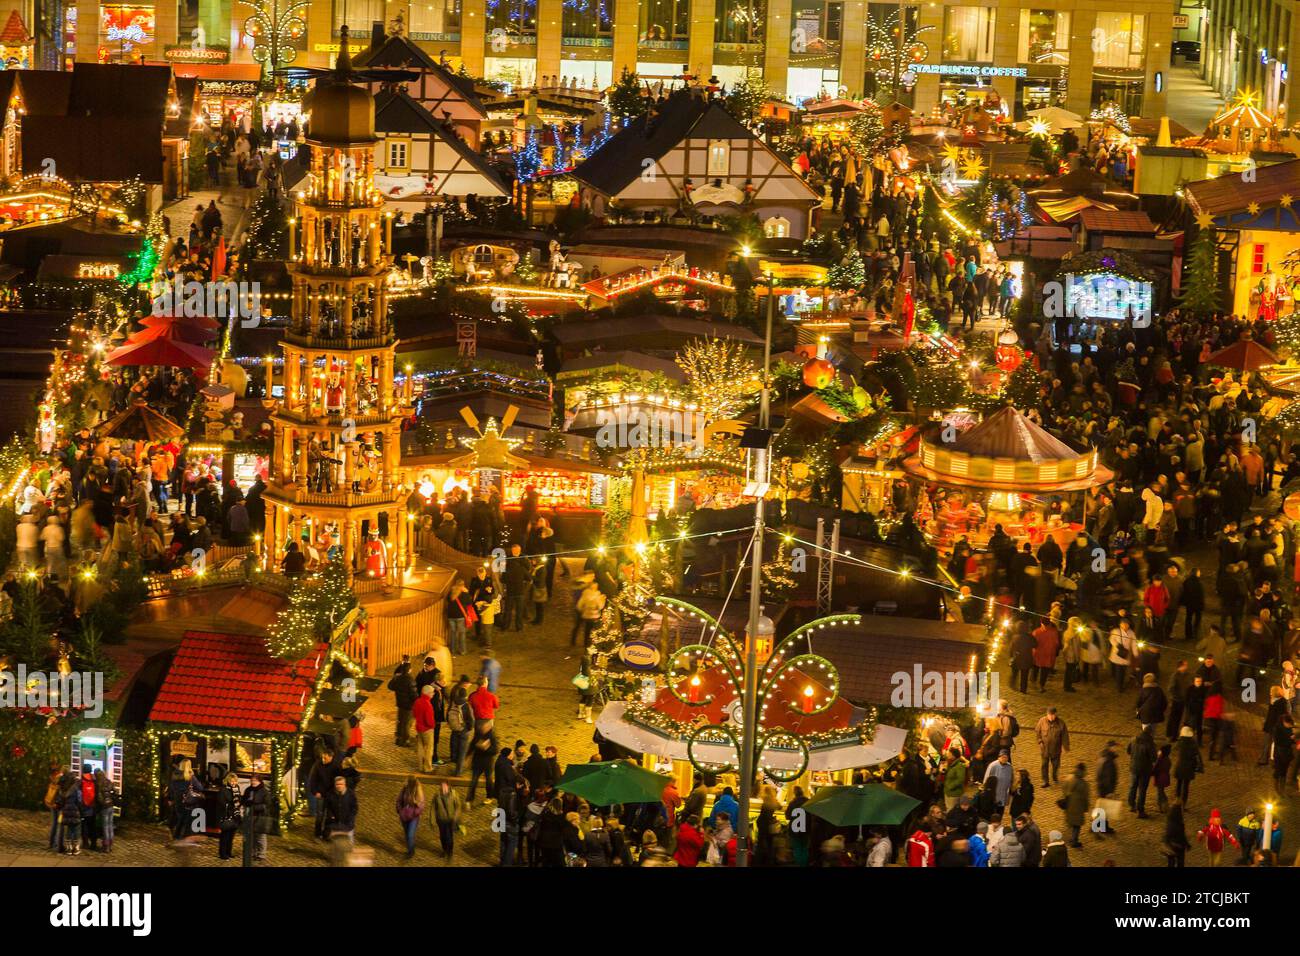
[(865, 804), (615, 781)]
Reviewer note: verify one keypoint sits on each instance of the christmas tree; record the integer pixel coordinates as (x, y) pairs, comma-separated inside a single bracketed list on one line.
[(625, 98), (850, 273), (268, 227), (1201, 291), (745, 101), (1023, 386), (867, 130)]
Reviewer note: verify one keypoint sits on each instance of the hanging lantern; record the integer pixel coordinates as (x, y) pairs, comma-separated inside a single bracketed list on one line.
[(818, 373)]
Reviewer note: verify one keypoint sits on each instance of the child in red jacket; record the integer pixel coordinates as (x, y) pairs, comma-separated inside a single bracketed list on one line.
[(1214, 835)]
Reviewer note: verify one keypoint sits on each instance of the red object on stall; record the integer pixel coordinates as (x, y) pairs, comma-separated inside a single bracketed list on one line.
[(818, 373)]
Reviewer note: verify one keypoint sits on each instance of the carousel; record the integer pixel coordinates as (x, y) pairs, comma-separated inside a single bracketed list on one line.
[(1005, 471)]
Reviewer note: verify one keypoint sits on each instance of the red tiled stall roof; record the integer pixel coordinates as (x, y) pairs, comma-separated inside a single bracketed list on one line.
[(232, 681)]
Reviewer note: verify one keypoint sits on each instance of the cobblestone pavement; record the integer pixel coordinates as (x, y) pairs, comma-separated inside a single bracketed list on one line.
[(538, 705)]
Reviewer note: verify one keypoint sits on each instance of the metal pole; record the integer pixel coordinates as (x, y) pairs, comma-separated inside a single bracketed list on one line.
[(749, 731)]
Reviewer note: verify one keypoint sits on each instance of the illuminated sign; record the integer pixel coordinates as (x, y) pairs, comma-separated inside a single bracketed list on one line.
[(98, 270), (960, 69), (127, 26), (203, 54)]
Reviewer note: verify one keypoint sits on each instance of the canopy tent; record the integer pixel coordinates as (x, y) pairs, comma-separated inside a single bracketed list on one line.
[(1057, 119), (1243, 355), (165, 348), (140, 421)]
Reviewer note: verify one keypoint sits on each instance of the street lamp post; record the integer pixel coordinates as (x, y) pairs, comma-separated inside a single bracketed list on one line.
[(749, 730)]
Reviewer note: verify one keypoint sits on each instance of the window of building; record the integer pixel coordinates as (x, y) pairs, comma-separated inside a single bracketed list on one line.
[(778, 227), (435, 19), (1119, 41), (719, 158), (399, 154), (1257, 259), (1044, 37), (587, 19), (510, 21), (968, 34), (483, 255), (359, 15), (665, 20), (740, 21)]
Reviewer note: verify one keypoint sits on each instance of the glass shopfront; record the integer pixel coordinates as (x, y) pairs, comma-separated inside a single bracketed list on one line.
[(968, 34)]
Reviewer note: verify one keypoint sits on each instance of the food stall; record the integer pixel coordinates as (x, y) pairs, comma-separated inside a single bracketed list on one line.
[(226, 705), (1006, 470), (223, 88)]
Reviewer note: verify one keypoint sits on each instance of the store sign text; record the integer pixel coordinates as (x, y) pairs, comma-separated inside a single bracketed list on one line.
[(958, 69)]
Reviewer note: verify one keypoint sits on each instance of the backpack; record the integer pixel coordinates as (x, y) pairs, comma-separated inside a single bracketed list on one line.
[(1015, 726), (88, 791), (456, 718)]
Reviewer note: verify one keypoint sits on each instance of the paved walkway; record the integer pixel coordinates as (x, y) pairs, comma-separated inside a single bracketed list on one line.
[(1191, 101)]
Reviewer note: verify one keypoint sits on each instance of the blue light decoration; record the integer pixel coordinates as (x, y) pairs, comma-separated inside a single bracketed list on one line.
[(1007, 224), (528, 160)]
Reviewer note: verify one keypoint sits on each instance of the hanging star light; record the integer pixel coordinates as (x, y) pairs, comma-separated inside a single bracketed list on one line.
[(972, 167), (1040, 127), (1247, 98), (1204, 220), (1285, 200), (1252, 209)]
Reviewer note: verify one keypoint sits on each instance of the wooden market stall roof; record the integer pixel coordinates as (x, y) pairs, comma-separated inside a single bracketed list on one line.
[(231, 681), (647, 331), (1272, 187)]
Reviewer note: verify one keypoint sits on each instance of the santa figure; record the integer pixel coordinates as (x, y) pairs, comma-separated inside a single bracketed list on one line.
[(376, 556), (334, 395)]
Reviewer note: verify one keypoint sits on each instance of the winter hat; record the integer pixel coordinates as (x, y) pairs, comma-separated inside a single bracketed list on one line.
[(1186, 732), (1148, 680), (1054, 837)]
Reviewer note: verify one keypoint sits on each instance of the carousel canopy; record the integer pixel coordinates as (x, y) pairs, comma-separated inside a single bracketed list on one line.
[(1243, 355), (1007, 451), (165, 348), (141, 421)]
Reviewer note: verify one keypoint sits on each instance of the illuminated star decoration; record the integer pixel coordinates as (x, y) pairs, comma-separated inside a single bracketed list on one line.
[(972, 168), (1040, 127), (1204, 220), (1247, 98), (1252, 208), (492, 450), (952, 151), (1285, 200)]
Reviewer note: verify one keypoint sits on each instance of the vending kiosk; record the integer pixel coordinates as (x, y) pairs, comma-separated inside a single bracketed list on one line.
[(103, 751)]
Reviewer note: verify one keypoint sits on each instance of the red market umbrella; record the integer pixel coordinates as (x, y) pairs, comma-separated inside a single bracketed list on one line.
[(197, 321), (1243, 355), (155, 325), (163, 348)]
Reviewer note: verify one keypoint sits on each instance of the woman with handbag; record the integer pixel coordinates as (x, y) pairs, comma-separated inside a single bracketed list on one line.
[(483, 596), (228, 816), (410, 807)]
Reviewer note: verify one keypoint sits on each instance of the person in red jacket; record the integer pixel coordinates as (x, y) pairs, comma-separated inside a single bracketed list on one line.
[(1214, 836), (690, 842), (1212, 718), (1047, 644), (1156, 597), (920, 848), (425, 721), (484, 704)]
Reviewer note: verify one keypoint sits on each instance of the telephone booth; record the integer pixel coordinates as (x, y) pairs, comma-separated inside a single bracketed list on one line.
[(103, 751)]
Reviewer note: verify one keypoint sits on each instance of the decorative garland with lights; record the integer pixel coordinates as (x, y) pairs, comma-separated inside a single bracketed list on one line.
[(725, 653)]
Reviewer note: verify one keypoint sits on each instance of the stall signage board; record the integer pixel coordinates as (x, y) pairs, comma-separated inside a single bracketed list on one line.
[(640, 655), (191, 54), (182, 746)]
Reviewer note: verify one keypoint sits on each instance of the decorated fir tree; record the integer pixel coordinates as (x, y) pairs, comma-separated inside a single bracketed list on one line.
[(745, 100), (625, 99), (849, 273), (268, 227), (1023, 387), (1201, 291), (867, 130), (719, 372)]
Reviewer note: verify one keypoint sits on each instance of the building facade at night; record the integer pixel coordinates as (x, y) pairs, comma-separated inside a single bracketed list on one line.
[(1244, 45), (1033, 52)]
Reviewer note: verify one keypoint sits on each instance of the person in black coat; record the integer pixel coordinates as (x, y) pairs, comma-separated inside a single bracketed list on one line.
[(403, 688), (1151, 702), (534, 769), (228, 816), (963, 818), (1176, 842), (256, 802), (1193, 598), (1142, 764), (341, 810)]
